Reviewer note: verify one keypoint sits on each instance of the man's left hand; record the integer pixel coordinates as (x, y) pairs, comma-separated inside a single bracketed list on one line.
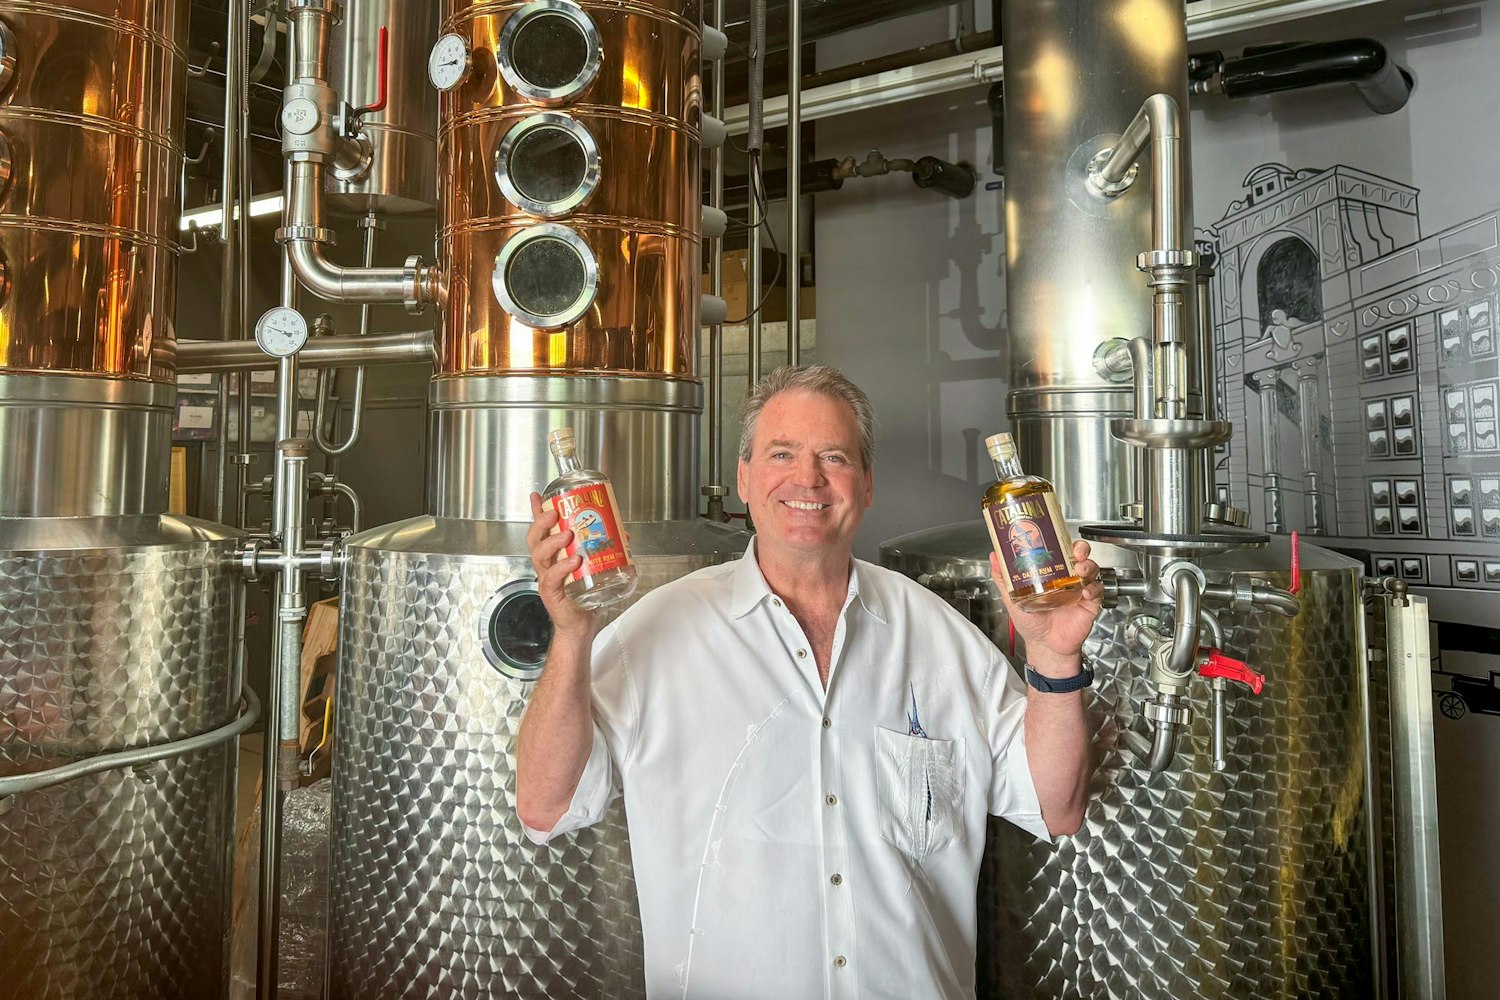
[(1056, 636)]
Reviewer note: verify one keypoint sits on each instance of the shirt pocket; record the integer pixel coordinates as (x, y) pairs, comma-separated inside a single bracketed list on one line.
[(921, 792)]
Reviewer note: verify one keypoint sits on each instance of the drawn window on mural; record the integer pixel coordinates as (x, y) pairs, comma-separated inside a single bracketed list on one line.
[(1451, 333), (1404, 426), (1466, 570), (1461, 504), (1489, 493), (1398, 356), (1377, 429), (1287, 281), (1408, 510), (1491, 519), (1382, 520), (1482, 412), (1371, 357), (1481, 329)]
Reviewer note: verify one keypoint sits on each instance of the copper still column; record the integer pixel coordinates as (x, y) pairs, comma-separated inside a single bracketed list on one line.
[(569, 153), (114, 616)]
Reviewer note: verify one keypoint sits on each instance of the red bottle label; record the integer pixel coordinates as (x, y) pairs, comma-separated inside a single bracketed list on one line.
[(1033, 548), (591, 512)]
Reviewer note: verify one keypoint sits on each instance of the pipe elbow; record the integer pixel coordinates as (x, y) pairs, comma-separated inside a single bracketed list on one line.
[(317, 273), (1163, 117), (1163, 748), (1184, 654)]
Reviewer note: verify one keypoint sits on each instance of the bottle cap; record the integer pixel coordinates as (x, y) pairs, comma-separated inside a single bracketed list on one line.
[(560, 442), (1001, 445)]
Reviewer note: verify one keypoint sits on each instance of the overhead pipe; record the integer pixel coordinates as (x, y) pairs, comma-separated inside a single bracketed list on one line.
[(1363, 62)]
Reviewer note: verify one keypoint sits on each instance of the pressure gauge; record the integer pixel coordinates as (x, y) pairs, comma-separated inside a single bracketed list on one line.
[(449, 62), (281, 332)]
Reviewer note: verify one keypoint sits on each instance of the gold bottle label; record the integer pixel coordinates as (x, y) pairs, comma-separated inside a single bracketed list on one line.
[(1031, 538)]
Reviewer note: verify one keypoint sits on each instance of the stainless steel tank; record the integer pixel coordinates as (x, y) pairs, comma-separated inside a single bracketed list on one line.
[(435, 889), (391, 165), (1252, 883), (569, 232), (114, 617)]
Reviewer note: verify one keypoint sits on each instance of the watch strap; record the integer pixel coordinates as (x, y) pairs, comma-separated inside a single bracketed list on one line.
[(1060, 685)]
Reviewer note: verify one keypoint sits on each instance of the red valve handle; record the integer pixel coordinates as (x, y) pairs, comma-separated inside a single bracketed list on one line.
[(1219, 665), (381, 79), (1296, 566)]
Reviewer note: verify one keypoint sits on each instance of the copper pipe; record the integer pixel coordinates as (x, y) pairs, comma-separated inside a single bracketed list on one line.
[(641, 222)]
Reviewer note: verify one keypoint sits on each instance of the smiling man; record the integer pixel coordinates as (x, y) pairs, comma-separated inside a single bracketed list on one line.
[(808, 745)]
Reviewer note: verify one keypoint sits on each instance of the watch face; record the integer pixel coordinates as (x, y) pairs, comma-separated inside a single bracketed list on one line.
[(281, 332), (449, 62)]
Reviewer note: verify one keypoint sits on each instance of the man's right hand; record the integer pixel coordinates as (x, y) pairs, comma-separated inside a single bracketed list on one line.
[(553, 573)]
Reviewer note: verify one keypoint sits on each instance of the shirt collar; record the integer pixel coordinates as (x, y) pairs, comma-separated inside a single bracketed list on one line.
[(750, 588)]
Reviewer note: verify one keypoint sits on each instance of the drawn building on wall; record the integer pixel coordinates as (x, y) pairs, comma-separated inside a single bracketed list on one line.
[(1358, 364)]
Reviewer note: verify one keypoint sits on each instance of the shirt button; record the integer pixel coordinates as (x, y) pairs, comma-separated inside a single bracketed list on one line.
[(833, 800), (801, 654), (776, 601), (827, 723), (841, 961), (837, 879)]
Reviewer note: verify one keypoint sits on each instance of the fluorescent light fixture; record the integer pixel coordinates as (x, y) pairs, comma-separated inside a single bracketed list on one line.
[(210, 216)]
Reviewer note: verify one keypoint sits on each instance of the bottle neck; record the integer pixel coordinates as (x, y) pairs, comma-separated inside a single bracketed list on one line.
[(567, 463), (1008, 467)]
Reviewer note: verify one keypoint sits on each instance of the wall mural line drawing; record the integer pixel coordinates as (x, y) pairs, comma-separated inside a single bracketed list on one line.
[(1357, 360)]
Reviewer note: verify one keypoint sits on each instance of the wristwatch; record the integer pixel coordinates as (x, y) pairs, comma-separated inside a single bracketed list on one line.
[(1060, 685)]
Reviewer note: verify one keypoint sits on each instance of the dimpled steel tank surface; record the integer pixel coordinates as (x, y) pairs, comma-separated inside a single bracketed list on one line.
[(568, 159), (434, 886), (1249, 883), (115, 618)]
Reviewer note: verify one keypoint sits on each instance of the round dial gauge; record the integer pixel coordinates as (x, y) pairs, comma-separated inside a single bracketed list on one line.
[(449, 62), (281, 332)]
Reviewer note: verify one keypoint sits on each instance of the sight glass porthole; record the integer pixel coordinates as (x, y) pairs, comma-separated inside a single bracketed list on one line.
[(515, 630), (547, 165), (549, 51), (546, 276)]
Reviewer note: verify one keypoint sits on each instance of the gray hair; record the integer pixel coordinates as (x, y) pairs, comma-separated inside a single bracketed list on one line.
[(820, 379)]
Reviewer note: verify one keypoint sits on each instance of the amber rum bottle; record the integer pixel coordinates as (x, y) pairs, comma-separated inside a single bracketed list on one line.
[(1029, 534), (585, 502)]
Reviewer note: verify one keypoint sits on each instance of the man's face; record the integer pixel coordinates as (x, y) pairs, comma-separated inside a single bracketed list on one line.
[(805, 484)]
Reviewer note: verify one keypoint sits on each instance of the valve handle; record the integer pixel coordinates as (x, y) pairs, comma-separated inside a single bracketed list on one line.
[(1296, 566), (1220, 665)]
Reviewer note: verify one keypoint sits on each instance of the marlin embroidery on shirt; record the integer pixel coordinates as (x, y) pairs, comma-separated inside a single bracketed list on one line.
[(915, 723)]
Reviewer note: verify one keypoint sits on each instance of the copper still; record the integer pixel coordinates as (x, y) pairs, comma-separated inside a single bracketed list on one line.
[(569, 159)]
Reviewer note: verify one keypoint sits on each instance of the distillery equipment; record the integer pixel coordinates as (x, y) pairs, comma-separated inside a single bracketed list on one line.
[(1232, 704), (118, 684), (1261, 819)]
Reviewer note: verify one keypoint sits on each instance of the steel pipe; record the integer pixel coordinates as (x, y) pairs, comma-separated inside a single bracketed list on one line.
[(371, 222), (136, 756), (308, 147), (714, 384), (404, 348), (794, 184)]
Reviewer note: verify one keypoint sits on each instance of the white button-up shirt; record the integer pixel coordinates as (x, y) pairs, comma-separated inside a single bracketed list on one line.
[(790, 841)]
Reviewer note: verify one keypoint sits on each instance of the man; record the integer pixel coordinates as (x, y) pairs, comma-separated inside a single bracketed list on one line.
[(808, 744)]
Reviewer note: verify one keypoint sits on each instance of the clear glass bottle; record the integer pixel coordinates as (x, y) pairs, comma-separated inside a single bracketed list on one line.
[(1029, 533), (585, 502)]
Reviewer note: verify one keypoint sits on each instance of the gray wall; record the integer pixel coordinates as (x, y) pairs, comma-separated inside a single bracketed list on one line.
[(911, 305)]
